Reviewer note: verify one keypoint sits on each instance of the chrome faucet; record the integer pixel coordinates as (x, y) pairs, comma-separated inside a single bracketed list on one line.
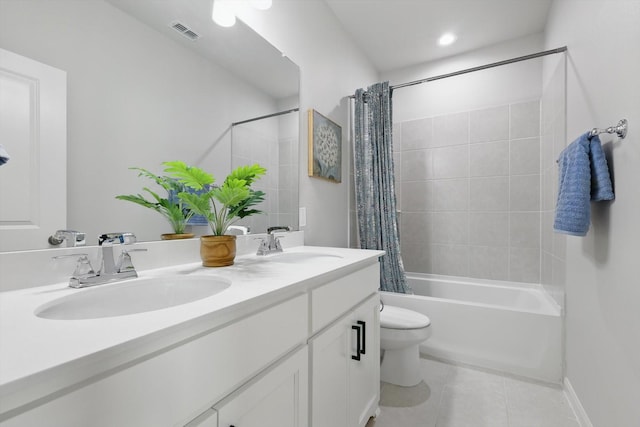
[(110, 270), (272, 243), (72, 237)]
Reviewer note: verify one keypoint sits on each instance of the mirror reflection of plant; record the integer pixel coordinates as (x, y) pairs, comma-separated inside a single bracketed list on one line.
[(220, 205), (172, 208)]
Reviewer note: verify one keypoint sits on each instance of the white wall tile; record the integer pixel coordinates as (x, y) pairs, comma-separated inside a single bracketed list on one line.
[(489, 228), (489, 262), (451, 162), (451, 228), (416, 227), (524, 229), (396, 136), (416, 134), (524, 265), (417, 196), (524, 193), (452, 129), (451, 260), (525, 156), (491, 124), (489, 194), (416, 165), (472, 181), (451, 194), (489, 159), (417, 257), (525, 120)]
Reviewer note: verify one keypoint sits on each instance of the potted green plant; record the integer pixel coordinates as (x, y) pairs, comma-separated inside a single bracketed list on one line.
[(171, 207), (221, 205)]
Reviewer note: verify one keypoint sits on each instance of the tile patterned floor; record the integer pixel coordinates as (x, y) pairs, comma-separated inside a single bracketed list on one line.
[(465, 397)]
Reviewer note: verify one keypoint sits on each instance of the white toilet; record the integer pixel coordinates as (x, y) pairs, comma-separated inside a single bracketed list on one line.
[(401, 331)]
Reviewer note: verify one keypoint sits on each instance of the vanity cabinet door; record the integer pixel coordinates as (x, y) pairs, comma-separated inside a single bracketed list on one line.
[(330, 358), (364, 374), (345, 372), (276, 398)]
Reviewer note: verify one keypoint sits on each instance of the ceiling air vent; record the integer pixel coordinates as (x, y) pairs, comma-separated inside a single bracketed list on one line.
[(184, 30)]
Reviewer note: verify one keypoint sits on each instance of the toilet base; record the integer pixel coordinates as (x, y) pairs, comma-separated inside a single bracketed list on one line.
[(401, 366)]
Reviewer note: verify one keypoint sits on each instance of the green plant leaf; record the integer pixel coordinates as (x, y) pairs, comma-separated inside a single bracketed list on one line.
[(171, 208), (247, 173), (138, 199), (191, 176), (232, 192), (198, 203), (242, 210)]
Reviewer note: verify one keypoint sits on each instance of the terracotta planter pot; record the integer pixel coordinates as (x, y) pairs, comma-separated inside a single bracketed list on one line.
[(175, 236), (217, 251)]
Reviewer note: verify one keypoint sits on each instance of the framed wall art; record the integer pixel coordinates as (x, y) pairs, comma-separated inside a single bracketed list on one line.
[(325, 148)]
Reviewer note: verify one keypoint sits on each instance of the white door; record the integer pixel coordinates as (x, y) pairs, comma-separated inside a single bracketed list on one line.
[(33, 131)]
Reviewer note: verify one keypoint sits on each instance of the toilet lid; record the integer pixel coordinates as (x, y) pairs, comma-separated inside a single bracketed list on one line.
[(400, 318)]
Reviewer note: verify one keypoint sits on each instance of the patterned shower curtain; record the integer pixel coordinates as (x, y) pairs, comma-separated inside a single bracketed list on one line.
[(374, 183)]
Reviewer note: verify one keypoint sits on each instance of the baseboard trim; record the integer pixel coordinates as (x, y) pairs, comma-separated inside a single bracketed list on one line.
[(578, 409)]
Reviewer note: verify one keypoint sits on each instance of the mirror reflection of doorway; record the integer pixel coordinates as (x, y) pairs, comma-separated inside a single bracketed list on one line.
[(33, 129)]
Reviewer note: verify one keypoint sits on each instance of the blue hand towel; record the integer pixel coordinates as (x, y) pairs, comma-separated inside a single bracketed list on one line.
[(4, 156), (584, 176)]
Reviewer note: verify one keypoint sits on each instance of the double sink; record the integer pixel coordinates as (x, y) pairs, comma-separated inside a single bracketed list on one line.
[(147, 294)]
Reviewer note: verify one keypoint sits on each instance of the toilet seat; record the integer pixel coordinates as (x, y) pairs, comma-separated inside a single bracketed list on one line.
[(400, 318)]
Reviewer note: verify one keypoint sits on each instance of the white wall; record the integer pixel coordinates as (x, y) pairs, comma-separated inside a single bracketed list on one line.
[(135, 98), (331, 67), (496, 86), (602, 282)]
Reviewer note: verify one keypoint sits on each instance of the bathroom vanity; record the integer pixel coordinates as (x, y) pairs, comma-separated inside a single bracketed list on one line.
[(293, 339)]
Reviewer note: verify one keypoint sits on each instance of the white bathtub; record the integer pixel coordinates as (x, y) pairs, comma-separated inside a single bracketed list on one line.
[(510, 327)]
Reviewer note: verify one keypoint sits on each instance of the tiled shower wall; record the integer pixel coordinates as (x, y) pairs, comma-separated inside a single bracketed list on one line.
[(553, 141), (468, 187), (256, 143), (271, 142)]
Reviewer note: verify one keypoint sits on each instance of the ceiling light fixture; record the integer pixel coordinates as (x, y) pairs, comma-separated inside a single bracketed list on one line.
[(223, 13), (447, 39), (261, 4)]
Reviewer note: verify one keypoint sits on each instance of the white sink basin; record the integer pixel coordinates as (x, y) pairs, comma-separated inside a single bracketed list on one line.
[(288, 257), (132, 297)]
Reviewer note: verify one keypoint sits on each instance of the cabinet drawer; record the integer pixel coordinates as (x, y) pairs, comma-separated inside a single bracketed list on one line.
[(177, 385), (330, 301)]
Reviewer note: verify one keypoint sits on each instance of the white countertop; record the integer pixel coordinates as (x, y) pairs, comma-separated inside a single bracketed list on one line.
[(41, 356)]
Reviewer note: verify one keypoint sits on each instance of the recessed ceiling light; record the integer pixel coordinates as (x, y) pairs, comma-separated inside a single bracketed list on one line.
[(261, 4), (446, 39), (223, 13)]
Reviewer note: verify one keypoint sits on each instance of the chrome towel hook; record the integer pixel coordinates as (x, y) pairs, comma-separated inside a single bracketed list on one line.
[(620, 129)]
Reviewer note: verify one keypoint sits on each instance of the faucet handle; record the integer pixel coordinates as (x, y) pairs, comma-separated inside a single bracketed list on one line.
[(110, 239), (263, 248), (274, 228), (72, 237), (124, 261), (83, 266), (241, 229), (277, 244)]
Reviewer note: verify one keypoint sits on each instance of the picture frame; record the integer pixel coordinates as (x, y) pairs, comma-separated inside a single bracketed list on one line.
[(325, 148)]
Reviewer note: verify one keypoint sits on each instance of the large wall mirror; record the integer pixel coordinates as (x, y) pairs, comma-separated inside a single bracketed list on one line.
[(150, 81)]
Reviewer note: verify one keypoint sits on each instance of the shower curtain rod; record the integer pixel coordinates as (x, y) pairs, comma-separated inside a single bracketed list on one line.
[(280, 113), (479, 68)]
